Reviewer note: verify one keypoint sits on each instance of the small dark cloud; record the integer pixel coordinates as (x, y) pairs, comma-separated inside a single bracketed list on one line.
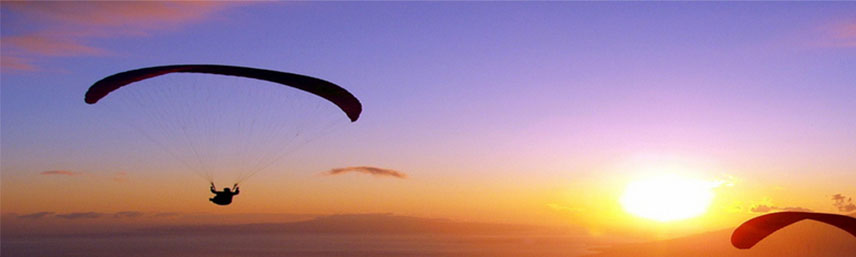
[(367, 170), (120, 177), (80, 215), (166, 214), (844, 203), (127, 214), (36, 215), (60, 172), (762, 208), (795, 209), (564, 208)]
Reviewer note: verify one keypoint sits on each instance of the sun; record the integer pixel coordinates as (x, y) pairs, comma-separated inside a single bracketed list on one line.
[(667, 197)]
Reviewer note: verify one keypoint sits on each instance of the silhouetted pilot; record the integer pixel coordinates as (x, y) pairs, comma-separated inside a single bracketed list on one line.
[(224, 197)]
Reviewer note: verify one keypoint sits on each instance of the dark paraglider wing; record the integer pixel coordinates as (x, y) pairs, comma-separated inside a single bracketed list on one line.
[(327, 90), (756, 229)]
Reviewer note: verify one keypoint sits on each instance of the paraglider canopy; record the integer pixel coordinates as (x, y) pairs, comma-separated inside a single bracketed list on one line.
[(332, 92), (756, 229), (221, 126)]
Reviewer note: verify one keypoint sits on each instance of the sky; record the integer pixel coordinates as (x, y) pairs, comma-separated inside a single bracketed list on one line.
[(535, 113)]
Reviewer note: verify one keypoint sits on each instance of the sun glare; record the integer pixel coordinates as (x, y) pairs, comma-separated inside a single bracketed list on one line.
[(667, 197)]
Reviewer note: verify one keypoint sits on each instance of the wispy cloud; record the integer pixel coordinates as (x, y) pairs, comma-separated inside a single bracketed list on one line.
[(167, 214), (80, 215), (762, 208), (60, 172), (118, 14), (128, 214), (49, 46), (374, 171), (563, 208), (36, 215), (50, 29), (120, 177), (15, 63), (846, 34), (843, 203), (97, 215), (841, 34)]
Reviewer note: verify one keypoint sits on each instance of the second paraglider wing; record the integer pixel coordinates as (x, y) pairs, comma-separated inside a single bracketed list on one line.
[(756, 229)]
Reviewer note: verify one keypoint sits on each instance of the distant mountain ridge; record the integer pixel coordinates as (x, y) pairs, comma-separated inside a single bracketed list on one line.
[(362, 224)]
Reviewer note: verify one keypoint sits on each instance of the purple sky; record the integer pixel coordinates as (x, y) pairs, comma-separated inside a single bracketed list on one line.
[(500, 93)]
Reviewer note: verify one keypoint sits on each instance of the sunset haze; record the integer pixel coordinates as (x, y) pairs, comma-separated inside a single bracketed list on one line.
[(529, 116)]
